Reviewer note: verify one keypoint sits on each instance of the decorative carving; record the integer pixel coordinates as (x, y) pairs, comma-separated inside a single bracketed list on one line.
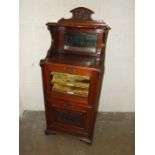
[(82, 13), (81, 17)]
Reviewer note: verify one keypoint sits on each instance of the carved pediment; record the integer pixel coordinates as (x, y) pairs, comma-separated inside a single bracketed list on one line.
[(81, 17), (82, 13)]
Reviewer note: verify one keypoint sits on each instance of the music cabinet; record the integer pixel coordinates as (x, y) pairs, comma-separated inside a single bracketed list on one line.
[(72, 74)]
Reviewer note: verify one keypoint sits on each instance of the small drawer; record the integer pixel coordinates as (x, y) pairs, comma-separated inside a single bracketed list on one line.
[(78, 100), (68, 105)]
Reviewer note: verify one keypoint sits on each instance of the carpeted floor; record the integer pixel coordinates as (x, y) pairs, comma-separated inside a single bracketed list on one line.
[(113, 135)]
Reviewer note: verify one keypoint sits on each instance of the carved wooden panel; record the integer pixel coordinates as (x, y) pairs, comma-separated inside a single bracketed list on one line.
[(82, 13), (65, 116), (75, 118)]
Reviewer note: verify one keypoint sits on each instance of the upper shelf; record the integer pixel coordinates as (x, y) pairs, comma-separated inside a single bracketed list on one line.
[(76, 60)]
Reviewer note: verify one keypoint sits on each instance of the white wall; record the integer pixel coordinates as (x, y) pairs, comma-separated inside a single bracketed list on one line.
[(118, 84), (21, 110)]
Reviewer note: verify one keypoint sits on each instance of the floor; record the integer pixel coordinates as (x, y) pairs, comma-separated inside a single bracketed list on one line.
[(113, 135)]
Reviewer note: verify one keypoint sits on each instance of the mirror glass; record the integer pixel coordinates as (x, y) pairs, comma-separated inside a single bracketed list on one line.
[(78, 41)]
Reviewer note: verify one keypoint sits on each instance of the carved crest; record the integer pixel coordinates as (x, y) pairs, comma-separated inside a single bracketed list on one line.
[(82, 17), (81, 13)]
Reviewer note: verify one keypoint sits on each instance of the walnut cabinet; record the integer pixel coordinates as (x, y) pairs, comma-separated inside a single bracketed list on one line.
[(72, 74)]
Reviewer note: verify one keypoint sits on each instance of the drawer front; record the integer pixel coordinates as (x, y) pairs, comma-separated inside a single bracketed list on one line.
[(64, 104), (67, 116)]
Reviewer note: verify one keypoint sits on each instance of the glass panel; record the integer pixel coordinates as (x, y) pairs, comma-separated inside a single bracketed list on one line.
[(70, 83), (85, 42)]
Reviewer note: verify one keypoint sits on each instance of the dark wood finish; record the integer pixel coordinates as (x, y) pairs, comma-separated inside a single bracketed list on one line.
[(69, 113)]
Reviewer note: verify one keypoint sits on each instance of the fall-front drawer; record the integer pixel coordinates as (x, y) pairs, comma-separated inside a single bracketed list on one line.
[(72, 85)]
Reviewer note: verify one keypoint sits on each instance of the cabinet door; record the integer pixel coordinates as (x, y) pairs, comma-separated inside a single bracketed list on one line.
[(68, 117), (82, 87), (66, 82)]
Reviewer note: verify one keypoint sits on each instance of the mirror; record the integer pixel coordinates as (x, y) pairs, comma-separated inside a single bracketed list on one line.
[(78, 41)]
